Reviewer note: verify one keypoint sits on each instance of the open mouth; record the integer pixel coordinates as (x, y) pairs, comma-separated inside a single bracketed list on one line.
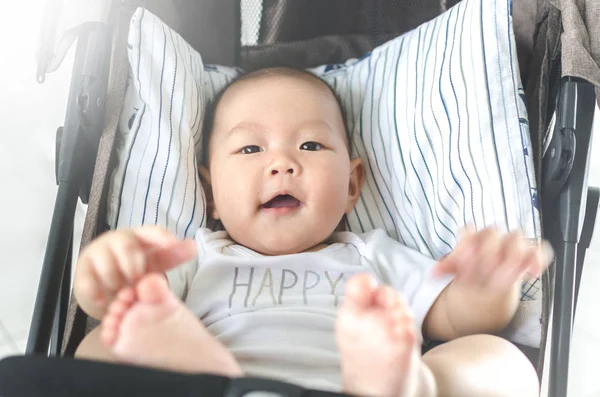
[(282, 201)]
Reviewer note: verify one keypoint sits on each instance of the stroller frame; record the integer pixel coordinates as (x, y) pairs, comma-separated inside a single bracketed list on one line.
[(563, 180)]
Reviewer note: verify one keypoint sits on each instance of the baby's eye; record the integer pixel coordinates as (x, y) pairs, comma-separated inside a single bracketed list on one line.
[(250, 149), (312, 146)]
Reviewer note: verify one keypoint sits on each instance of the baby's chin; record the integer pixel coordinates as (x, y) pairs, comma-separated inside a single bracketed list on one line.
[(281, 245)]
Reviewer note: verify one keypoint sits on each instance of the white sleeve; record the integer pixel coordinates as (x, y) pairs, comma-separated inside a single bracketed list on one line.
[(181, 277), (407, 271)]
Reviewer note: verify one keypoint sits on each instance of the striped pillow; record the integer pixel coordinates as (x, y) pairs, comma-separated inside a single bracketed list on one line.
[(437, 115)]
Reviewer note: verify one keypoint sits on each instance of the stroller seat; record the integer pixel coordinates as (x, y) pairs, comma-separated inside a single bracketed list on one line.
[(440, 150)]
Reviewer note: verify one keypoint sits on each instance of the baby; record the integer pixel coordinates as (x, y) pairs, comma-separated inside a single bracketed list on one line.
[(280, 293)]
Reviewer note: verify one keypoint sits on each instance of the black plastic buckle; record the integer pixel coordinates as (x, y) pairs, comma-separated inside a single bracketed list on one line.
[(558, 161), (559, 158)]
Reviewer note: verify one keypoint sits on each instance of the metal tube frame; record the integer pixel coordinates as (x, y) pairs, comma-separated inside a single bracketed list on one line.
[(76, 155), (575, 114)]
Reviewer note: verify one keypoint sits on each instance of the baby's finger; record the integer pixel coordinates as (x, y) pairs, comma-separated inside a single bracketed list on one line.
[(467, 232), (154, 237), (452, 262), (515, 257), (449, 264), (490, 245), (519, 273), (168, 257), (481, 264), (88, 281), (130, 257), (546, 255), (105, 266), (541, 258), (444, 266)]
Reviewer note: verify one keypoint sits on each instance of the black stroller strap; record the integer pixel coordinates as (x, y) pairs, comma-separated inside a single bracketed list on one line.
[(37, 376)]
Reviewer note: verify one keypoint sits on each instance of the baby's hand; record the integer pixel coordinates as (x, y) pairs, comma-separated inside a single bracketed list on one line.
[(119, 258), (493, 260)]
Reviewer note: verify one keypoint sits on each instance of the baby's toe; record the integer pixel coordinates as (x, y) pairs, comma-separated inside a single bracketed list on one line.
[(388, 298), (360, 289), (399, 317), (109, 330), (118, 308), (126, 294), (153, 289), (403, 330)]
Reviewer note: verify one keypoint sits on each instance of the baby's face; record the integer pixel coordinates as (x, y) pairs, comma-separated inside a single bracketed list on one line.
[(280, 171)]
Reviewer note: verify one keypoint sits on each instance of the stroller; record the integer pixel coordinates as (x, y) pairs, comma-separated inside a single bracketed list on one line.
[(559, 53)]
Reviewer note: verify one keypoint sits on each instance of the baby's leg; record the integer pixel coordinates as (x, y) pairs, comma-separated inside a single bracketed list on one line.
[(482, 365), (380, 352), (148, 325), (91, 348)]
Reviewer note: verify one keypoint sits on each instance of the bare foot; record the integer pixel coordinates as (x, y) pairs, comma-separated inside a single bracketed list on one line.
[(379, 348), (148, 325)]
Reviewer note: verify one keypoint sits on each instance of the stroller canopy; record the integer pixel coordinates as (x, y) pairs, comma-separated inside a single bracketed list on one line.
[(572, 23)]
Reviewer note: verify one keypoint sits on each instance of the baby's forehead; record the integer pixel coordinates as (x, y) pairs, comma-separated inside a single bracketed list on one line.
[(297, 91), (301, 93), (244, 87), (242, 94)]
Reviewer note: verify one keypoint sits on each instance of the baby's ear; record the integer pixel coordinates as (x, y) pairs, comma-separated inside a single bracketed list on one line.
[(207, 186), (357, 179)]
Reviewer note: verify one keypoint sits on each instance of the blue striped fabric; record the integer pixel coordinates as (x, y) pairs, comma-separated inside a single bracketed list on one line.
[(155, 179), (437, 115)]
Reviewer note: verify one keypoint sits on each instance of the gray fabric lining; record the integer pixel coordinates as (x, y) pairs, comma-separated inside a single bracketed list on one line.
[(580, 38)]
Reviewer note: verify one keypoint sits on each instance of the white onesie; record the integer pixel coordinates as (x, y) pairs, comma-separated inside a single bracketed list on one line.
[(277, 313)]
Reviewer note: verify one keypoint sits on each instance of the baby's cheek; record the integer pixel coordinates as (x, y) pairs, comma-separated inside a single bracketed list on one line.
[(334, 197), (229, 199)]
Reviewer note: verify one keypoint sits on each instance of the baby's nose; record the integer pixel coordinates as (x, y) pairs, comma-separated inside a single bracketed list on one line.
[(284, 165), (276, 170)]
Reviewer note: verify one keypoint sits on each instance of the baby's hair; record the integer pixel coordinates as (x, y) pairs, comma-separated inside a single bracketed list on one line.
[(212, 106)]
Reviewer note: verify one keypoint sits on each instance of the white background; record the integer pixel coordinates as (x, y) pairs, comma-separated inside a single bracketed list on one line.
[(29, 116)]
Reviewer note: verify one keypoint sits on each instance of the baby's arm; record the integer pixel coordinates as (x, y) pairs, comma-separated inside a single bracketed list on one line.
[(484, 296), (461, 310), (120, 258)]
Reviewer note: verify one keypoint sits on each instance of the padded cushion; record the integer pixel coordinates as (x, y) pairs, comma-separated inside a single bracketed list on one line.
[(437, 115)]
